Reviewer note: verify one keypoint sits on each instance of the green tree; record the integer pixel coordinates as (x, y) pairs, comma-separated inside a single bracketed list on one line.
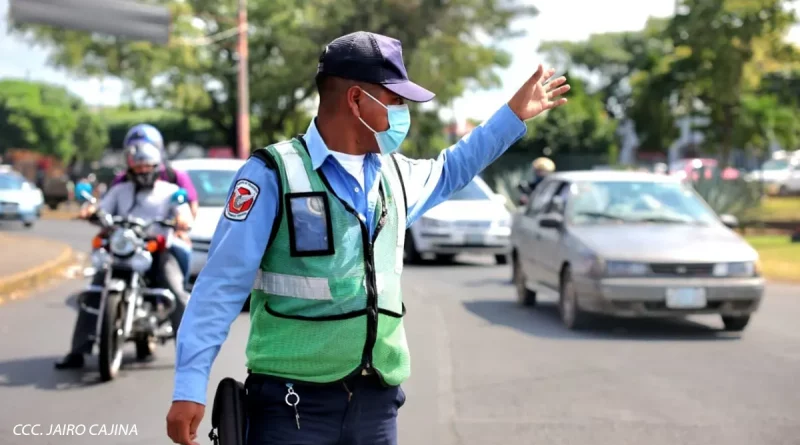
[(442, 42), (48, 119), (612, 59), (725, 47), (583, 127)]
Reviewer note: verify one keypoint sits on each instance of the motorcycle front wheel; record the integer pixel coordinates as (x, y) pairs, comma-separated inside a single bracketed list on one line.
[(110, 357)]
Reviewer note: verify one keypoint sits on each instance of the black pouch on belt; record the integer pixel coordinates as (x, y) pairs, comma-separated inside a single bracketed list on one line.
[(229, 414)]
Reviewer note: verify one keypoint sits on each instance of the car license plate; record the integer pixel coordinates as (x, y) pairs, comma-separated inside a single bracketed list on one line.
[(686, 298), (474, 239)]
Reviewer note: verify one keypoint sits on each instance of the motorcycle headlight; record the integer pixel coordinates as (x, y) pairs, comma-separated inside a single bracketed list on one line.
[(739, 269), (122, 242), (626, 268)]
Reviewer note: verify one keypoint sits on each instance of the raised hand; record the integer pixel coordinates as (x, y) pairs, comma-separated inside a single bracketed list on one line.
[(539, 94)]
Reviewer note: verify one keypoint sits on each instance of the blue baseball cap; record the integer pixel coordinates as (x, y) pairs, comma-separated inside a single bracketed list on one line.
[(372, 58)]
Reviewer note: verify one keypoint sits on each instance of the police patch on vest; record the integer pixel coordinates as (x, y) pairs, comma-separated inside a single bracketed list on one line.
[(242, 200)]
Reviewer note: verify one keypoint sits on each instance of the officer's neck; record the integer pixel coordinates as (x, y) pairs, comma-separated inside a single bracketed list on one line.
[(330, 130)]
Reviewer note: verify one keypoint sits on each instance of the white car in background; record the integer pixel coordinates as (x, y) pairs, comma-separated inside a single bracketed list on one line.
[(20, 200), (212, 179), (473, 220)]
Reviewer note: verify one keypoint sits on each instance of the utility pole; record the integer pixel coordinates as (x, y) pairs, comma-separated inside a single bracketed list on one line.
[(243, 120)]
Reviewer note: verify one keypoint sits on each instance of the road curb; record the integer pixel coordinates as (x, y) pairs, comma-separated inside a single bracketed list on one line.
[(33, 277)]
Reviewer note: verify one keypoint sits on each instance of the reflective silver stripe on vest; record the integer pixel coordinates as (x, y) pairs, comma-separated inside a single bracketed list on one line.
[(307, 288), (296, 174), (400, 208)]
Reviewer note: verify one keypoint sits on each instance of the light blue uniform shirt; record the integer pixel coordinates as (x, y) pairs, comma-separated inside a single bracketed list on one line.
[(237, 247)]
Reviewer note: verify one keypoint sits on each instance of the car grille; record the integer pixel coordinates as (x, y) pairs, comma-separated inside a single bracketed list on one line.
[(473, 224), (682, 269)]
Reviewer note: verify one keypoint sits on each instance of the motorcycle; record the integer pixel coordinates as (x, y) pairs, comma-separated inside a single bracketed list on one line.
[(129, 310)]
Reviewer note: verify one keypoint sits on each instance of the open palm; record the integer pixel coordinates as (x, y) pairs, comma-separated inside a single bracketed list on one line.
[(539, 94)]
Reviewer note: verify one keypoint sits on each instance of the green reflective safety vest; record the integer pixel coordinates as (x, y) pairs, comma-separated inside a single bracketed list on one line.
[(327, 302)]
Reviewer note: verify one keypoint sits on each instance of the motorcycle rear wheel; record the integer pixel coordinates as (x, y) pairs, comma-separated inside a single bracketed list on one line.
[(110, 357)]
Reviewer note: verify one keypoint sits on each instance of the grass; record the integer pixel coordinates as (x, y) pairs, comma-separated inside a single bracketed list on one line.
[(777, 209), (780, 258)]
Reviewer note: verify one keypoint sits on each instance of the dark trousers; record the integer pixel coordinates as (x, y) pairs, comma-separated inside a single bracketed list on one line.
[(359, 412), (166, 273)]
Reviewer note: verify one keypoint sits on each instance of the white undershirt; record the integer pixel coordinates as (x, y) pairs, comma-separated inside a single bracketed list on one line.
[(354, 164)]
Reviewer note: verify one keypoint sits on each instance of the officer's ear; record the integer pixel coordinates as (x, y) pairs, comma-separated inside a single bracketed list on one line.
[(354, 95)]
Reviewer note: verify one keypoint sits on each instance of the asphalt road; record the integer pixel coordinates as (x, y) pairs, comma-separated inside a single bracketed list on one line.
[(485, 371)]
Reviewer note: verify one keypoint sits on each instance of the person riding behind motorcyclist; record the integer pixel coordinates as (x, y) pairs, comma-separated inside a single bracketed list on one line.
[(149, 133), (540, 167), (147, 197)]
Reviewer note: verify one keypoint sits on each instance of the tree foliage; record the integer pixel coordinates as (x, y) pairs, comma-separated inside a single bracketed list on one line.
[(726, 60), (48, 119), (442, 42)]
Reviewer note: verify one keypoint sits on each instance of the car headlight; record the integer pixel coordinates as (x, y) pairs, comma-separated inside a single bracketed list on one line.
[(122, 242), (433, 223), (626, 268), (739, 269)]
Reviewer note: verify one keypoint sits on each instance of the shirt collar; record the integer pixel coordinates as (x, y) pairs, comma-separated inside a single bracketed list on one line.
[(318, 150), (316, 146)]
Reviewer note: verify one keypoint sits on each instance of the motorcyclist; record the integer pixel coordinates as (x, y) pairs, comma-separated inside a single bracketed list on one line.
[(148, 133), (540, 167), (147, 197)]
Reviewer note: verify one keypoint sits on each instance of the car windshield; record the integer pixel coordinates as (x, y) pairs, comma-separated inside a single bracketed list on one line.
[(10, 182), (471, 192), (776, 164), (212, 186), (640, 201)]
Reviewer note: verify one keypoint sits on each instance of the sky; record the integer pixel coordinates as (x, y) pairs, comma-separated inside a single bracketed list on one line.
[(573, 20)]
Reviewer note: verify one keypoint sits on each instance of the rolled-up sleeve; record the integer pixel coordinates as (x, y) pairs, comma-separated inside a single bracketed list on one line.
[(430, 182)]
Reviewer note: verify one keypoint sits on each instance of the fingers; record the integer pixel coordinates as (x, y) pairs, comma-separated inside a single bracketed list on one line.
[(558, 92), (193, 427), (548, 74), (554, 83), (555, 104), (537, 76)]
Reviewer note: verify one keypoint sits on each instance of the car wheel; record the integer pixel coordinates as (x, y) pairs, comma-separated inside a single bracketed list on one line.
[(525, 297), (410, 253), (571, 314), (735, 324), (783, 191), (27, 224), (501, 259)]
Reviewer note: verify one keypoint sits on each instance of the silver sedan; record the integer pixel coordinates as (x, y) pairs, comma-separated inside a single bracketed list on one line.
[(631, 245)]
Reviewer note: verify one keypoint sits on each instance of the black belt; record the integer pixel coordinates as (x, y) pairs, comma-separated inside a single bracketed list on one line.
[(363, 374)]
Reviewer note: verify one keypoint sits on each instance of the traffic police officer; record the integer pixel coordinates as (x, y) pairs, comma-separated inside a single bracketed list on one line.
[(315, 227)]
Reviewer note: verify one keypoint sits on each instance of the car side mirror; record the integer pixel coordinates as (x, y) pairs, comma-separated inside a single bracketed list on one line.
[(550, 223), (730, 221)]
